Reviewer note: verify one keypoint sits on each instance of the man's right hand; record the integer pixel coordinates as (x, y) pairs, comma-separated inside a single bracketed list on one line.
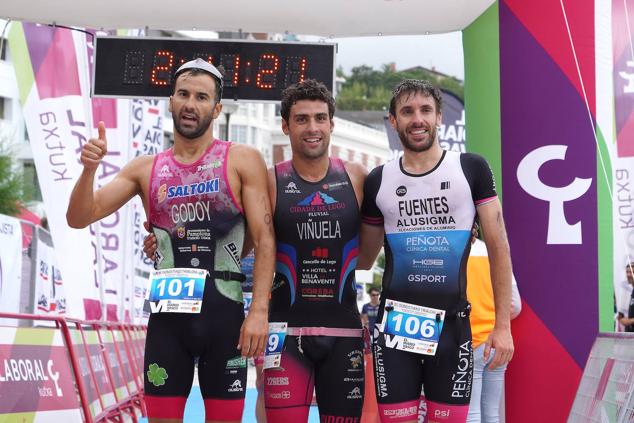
[(149, 243), (95, 149)]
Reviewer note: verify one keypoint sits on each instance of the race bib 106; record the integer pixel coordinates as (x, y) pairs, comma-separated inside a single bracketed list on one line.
[(413, 328), (177, 290)]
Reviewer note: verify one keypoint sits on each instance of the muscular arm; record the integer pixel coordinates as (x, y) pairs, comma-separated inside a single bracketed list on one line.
[(257, 208), (370, 243), (357, 174), (87, 206), (492, 223), (370, 236)]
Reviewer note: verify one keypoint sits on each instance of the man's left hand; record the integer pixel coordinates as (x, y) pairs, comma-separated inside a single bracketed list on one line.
[(253, 333), (501, 340)]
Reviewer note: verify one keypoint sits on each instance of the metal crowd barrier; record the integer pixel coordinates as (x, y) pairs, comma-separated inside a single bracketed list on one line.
[(99, 363), (606, 389)]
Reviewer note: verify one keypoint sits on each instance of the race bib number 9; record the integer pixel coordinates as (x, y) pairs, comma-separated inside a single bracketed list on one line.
[(177, 290), (275, 344), (411, 327)]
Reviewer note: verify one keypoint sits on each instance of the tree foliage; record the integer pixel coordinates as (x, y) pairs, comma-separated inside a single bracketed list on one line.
[(369, 89)]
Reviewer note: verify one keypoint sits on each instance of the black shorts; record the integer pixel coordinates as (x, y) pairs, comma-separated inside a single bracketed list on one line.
[(176, 342), (332, 365), (446, 377)]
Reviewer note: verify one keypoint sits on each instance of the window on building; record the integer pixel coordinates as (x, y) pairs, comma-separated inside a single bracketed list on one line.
[(222, 132), (238, 134), (3, 52), (254, 136), (3, 107)]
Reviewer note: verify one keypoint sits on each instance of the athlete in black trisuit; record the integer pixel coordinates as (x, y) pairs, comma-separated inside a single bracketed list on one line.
[(316, 203), (424, 205), (197, 196)]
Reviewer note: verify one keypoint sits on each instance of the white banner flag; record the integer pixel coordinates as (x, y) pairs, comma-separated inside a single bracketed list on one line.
[(49, 287), (146, 126), (10, 265)]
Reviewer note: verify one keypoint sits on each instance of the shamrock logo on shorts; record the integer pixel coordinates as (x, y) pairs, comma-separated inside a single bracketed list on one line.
[(156, 375)]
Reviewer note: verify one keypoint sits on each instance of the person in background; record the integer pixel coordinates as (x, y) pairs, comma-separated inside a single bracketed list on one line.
[(370, 310), (628, 322), (488, 384)]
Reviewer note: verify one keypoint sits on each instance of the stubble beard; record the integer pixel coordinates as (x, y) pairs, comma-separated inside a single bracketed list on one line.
[(197, 132), (417, 147)]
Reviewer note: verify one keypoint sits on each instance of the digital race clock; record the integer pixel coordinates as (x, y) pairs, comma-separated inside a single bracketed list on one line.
[(254, 71)]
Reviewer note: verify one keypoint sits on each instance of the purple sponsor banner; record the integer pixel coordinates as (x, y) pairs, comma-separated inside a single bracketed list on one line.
[(550, 201)]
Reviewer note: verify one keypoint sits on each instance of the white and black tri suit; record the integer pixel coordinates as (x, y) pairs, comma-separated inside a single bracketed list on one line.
[(427, 220)]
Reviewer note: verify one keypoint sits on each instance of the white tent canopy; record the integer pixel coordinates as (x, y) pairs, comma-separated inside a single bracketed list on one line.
[(327, 18)]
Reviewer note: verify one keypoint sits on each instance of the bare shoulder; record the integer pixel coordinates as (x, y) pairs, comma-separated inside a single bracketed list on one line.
[(245, 157), (356, 171), (357, 174), (244, 149)]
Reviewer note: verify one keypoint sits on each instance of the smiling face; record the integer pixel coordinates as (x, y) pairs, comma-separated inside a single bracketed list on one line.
[(193, 106), (309, 127), (416, 120)]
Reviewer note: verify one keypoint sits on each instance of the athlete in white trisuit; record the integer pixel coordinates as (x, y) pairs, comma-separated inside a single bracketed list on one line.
[(424, 206)]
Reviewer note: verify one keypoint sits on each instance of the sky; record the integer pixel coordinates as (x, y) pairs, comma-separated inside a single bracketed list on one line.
[(440, 51)]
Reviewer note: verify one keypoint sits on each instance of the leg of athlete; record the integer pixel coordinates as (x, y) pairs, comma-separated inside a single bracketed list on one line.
[(288, 389), (168, 372), (260, 412), (339, 378), (222, 371), (398, 377), (448, 375)]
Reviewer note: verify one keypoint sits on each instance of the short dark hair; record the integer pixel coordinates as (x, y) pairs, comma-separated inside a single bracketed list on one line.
[(414, 86), (309, 89), (197, 71), (373, 289)]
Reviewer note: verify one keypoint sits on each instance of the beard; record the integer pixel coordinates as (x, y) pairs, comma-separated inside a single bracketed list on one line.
[(417, 147), (189, 132)]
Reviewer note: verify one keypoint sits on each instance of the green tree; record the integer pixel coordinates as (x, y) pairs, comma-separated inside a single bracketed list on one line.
[(369, 89), (11, 183)]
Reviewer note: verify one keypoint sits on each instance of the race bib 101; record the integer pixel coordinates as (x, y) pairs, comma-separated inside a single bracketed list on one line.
[(177, 290)]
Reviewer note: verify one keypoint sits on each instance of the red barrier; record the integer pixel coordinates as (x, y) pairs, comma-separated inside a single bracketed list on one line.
[(106, 359)]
